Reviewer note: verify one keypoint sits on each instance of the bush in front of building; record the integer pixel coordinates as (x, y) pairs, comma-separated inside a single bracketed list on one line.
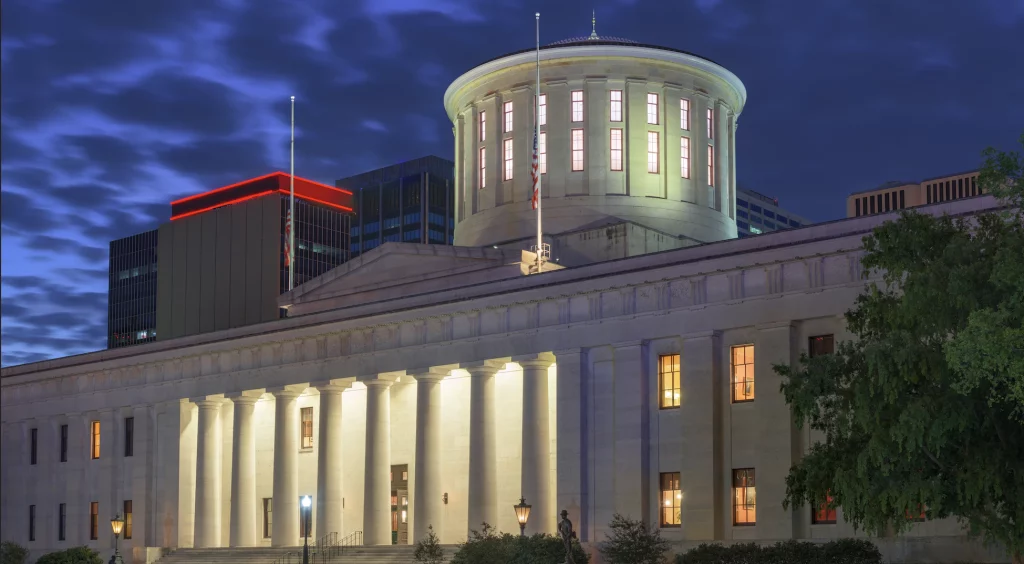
[(428, 549), (488, 546), (842, 551), (630, 541), (77, 555), (12, 553)]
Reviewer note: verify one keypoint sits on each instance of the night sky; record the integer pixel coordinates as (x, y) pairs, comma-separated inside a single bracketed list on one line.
[(113, 108)]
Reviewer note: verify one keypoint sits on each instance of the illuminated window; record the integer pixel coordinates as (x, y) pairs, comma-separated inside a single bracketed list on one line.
[(542, 152), (507, 150), (94, 520), (711, 123), (652, 152), (307, 427), (127, 519), (684, 114), (743, 372), (823, 514), (684, 157), (671, 500), (483, 126), (405, 475), (268, 516), (821, 345), (919, 516), (711, 165), (616, 109), (95, 440), (577, 150), (542, 111), (743, 497), (652, 109), (577, 105), (508, 117), (616, 149), (668, 381), (483, 167)]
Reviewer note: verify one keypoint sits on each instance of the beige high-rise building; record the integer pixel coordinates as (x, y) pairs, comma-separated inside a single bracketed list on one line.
[(898, 195)]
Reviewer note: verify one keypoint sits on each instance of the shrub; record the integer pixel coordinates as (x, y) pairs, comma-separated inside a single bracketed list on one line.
[(487, 546), (632, 542), (77, 555), (428, 549), (843, 551), (12, 553), (705, 553), (850, 551)]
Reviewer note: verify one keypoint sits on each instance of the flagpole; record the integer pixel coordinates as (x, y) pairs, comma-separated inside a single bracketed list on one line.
[(291, 207), (536, 132)]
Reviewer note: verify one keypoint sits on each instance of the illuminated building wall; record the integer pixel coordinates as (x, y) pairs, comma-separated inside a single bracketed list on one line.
[(131, 303)]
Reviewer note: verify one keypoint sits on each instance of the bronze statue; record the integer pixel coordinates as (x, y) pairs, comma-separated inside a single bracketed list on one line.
[(565, 531)]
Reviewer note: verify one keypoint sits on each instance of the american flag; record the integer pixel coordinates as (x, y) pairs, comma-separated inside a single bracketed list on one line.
[(288, 239), (535, 171)]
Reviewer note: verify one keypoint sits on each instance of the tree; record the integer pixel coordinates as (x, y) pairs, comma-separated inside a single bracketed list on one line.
[(428, 549), (12, 553), (632, 542), (923, 412), (77, 555)]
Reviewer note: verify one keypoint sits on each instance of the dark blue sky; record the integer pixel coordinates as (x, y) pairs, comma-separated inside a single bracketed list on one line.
[(112, 108)]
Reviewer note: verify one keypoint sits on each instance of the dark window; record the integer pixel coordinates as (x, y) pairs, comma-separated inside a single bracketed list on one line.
[(129, 437), (974, 185), (769, 224), (62, 521), (671, 500), (769, 213), (741, 203), (268, 516), (928, 193), (903, 200), (856, 207), (31, 522), (782, 220), (823, 514), (63, 443), (741, 213), (127, 519), (743, 225), (94, 520), (744, 499), (34, 448), (887, 208), (960, 187), (794, 223), (755, 208), (821, 345), (949, 191), (872, 198), (755, 219)]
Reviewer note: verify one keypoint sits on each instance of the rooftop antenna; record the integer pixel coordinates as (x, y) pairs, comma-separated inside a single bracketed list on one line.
[(593, 24)]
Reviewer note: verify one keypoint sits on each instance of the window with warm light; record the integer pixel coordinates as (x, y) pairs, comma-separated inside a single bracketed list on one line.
[(616, 149), (823, 514), (307, 427), (483, 167), (742, 373), (577, 105), (616, 108), (577, 150), (711, 165), (652, 109), (508, 117), (268, 517), (744, 498), (668, 381), (542, 152), (821, 345), (684, 157), (711, 123), (483, 126), (671, 500), (684, 114), (652, 152), (95, 440), (542, 110), (94, 520), (507, 151), (918, 516), (127, 519)]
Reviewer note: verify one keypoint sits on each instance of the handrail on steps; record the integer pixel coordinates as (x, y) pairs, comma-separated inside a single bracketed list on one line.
[(325, 550)]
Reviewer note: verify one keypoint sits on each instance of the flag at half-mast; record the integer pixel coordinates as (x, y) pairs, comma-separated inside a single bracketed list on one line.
[(535, 170), (288, 239)]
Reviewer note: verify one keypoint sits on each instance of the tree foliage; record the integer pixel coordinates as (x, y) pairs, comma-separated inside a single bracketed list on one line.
[(924, 409), (12, 553), (632, 542), (428, 549), (488, 546), (76, 555)]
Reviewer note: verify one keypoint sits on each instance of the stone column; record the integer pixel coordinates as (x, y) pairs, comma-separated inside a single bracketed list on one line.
[(571, 454), (774, 344), (208, 474), (427, 489), (243, 473), (536, 457), (483, 473), (286, 468), (700, 437), (330, 517), (377, 482), (632, 431)]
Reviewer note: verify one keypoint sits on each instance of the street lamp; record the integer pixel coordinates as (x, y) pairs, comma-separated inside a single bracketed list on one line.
[(307, 503), (522, 515), (116, 525)]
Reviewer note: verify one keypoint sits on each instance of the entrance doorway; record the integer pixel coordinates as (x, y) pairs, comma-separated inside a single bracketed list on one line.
[(400, 504)]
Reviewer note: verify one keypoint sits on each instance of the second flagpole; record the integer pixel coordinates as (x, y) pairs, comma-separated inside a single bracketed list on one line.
[(536, 133), (291, 207)]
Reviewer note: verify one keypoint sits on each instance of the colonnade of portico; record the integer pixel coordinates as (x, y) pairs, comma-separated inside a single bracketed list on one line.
[(427, 478)]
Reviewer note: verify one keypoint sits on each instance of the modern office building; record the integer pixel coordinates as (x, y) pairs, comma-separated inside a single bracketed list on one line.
[(131, 293), (757, 214), (897, 195), (409, 202)]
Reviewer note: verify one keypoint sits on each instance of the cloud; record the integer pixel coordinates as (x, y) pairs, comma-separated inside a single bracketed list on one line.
[(374, 125)]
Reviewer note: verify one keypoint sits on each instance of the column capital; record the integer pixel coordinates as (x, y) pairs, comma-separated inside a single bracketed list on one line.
[(292, 391), (378, 383), (540, 360), (332, 386), (248, 396), (485, 367), (208, 402), (434, 373)]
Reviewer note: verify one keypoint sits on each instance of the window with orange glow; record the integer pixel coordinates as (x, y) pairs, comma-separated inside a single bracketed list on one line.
[(711, 165), (616, 149), (668, 381), (95, 440), (823, 514), (742, 373), (94, 520), (307, 427), (744, 497), (671, 500)]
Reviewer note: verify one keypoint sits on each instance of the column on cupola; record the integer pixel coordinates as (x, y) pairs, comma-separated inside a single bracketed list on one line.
[(243, 471), (330, 517), (286, 466), (483, 473), (428, 488), (723, 166), (377, 475), (699, 104), (208, 473), (536, 442)]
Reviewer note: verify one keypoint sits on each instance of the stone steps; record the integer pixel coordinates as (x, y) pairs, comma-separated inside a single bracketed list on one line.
[(394, 554)]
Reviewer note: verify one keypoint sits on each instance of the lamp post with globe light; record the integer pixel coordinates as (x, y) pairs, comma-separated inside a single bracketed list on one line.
[(116, 525), (307, 508), (522, 515)]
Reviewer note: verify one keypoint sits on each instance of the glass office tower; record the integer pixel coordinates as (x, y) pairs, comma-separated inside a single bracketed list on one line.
[(131, 302)]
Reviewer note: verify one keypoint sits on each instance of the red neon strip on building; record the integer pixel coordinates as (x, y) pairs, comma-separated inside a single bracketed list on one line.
[(228, 203), (258, 178)]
